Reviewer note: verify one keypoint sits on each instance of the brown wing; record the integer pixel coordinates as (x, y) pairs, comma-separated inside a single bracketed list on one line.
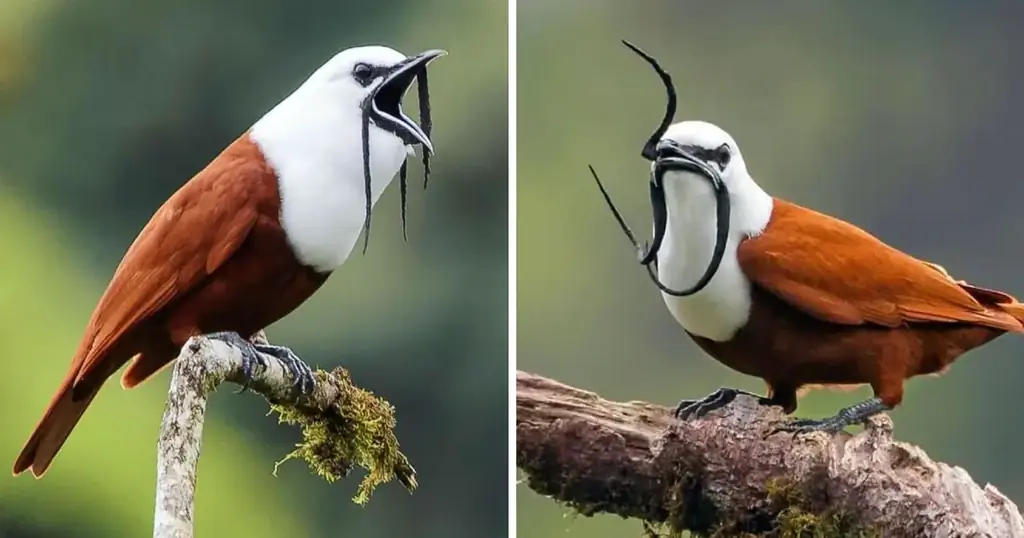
[(836, 272), (188, 238)]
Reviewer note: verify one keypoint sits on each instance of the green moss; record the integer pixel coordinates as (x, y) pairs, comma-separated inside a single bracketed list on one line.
[(796, 520), (358, 430)]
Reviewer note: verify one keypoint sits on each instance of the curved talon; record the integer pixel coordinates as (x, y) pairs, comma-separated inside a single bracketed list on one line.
[(687, 409), (694, 410), (254, 360), (684, 409), (252, 363), (302, 374)]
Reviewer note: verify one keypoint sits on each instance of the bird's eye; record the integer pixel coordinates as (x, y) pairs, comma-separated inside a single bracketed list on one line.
[(362, 73), (722, 155)]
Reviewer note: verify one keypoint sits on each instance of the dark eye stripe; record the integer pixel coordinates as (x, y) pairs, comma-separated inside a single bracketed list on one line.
[(716, 155)]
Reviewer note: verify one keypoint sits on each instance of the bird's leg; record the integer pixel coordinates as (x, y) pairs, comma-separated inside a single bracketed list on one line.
[(253, 359), (722, 397), (848, 416)]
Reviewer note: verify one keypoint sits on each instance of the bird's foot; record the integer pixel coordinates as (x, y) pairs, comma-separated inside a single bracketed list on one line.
[(302, 374), (722, 397), (848, 416), (254, 360)]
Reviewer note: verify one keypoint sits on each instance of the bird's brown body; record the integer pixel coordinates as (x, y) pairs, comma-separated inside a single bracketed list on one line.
[(833, 305), (213, 258)]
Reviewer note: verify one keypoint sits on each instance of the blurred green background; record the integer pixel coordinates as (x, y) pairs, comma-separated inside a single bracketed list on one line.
[(106, 108), (902, 117)]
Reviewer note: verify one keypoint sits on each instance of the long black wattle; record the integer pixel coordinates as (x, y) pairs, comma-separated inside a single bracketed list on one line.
[(403, 187), (660, 212), (649, 152), (615, 211), (367, 119), (658, 204), (723, 210), (423, 94), (722, 217), (366, 173)]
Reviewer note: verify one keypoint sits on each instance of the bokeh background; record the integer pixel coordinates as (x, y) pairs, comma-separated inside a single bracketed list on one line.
[(106, 108), (900, 117)]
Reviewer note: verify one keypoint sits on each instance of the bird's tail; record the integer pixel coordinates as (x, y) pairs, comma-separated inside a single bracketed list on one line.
[(993, 299), (998, 300), (63, 413)]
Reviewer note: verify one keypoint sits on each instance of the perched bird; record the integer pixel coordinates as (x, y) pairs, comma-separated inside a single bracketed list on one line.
[(796, 297), (251, 236)]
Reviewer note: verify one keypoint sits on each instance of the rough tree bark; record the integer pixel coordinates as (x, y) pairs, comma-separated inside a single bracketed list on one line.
[(723, 474), (352, 427)]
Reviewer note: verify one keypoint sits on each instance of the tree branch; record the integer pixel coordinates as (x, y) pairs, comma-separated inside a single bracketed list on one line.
[(342, 426), (722, 473)]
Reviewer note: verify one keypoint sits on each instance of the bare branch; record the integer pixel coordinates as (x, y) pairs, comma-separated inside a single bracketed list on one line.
[(343, 426), (723, 474)]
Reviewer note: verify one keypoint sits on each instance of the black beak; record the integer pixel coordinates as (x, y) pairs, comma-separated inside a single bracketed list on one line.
[(386, 100), (384, 108), (673, 156)]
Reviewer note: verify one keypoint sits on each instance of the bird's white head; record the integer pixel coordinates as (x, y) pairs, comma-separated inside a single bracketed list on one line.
[(709, 146), (336, 143), (370, 79), (691, 152)]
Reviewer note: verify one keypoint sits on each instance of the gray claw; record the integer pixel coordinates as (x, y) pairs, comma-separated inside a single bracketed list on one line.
[(302, 374)]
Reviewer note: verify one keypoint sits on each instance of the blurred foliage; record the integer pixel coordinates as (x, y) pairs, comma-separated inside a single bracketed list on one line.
[(107, 107), (900, 117)]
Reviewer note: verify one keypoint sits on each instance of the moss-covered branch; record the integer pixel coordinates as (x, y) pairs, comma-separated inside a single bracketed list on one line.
[(722, 475), (343, 426)]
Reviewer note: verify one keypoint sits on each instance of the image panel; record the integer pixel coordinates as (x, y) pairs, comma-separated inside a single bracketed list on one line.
[(177, 176), (830, 204)]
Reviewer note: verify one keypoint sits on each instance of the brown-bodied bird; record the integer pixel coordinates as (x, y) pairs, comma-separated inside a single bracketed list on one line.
[(251, 236), (793, 296)]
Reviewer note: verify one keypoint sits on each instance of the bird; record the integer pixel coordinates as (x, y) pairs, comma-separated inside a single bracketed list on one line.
[(252, 235), (796, 297)]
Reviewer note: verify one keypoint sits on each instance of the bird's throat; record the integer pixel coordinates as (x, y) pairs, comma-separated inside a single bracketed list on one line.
[(723, 306), (690, 230)]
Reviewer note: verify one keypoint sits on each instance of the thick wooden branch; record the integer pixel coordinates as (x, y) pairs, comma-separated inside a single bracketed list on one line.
[(724, 474), (343, 426)]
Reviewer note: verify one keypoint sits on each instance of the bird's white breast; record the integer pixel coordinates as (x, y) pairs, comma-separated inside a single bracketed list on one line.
[(317, 154), (722, 308)]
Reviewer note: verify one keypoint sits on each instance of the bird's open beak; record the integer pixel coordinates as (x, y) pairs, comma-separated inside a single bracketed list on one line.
[(673, 156), (386, 101)]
